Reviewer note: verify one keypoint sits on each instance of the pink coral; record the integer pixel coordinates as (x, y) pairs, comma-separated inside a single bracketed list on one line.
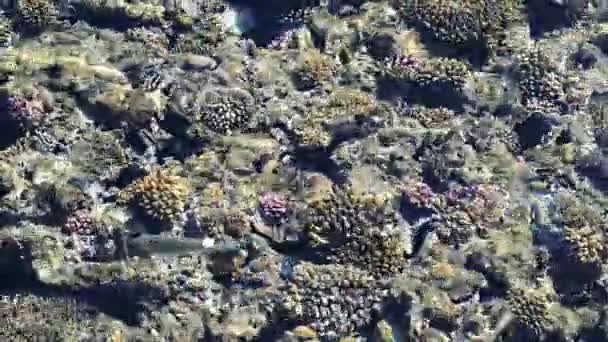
[(274, 208), (25, 112), (82, 223)]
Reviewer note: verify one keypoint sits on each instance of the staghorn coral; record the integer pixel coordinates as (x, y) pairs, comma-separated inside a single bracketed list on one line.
[(161, 195), (531, 309), (312, 135), (343, 103), (435, 73), (336, 301), (225, 110), (35, 15), (377, 251), (539, 77), (429, 117), (476, 23), (344, 212), (313, 69)]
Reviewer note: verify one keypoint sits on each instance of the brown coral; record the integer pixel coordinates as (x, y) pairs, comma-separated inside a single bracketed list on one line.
[(336, 301), (313, 69), (531, 309), (586, 245), (435, 73), (475, 23), (161, 195)]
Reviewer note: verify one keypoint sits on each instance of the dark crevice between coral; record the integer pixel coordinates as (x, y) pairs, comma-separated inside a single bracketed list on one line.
[(429, 176), (534, 130), (477, 52), (319, 160), (272, 18), (434, 97), (595, 169), (111, 19), (129, 299), (420, 235), (498, 283), (579, 288), (389, 89), (9, 131), (545, 16), (16, 270), (180, 148), (361, 128)]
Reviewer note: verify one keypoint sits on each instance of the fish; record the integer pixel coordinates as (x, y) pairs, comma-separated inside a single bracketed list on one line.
[(148, 245)]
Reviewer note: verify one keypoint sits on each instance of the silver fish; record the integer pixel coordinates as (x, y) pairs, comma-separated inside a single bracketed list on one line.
[(147, 245)]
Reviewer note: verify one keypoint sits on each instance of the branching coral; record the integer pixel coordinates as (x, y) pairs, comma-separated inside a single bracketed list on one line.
[(345, 103), (359, 229), (26, 113), (312, 135), (437, 73), (225, 110), (345, 212), (462, 24), (531, 309), (539, 77), (150, 78), (334, 300), (586, 245), (161, 195), (35, 15), (313, 69), (429, 117), (377, 251)]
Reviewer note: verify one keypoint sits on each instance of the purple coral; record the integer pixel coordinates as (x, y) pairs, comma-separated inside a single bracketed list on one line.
[(274, 208), (25, 112), (89, 238), (402, 61), (82, 223), (283, 41), (421, 195), (484, 204)]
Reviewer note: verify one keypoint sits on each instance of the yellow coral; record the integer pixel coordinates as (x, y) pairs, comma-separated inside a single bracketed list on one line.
[(161, 194), (587, 245), (313, 69), (35, 15)]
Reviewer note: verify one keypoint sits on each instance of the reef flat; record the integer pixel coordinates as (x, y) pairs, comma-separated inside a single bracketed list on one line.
[(279, 170)]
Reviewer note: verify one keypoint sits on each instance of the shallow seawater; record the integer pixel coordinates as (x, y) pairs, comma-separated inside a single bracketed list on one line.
[(353, 170)]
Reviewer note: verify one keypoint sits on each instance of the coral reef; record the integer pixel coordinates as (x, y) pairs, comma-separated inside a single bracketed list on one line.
[(161, 195), (335, 301), (531, 310), (421, 170), (474, 25), (442, 74), (314, 69), (539, 78), (225, 110), (35, 15)]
